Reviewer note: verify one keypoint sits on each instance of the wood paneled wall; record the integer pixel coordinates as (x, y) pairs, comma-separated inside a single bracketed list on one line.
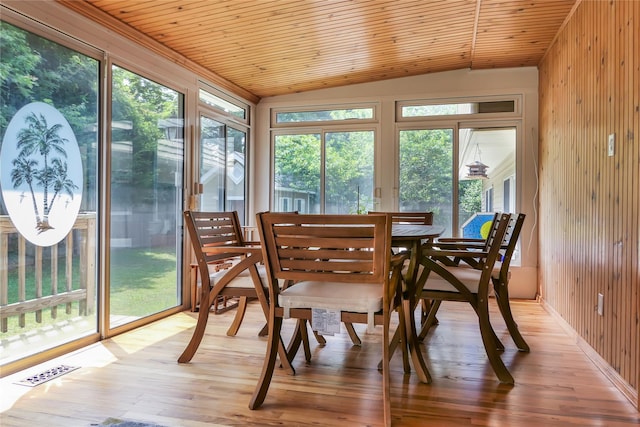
[(590, 202)]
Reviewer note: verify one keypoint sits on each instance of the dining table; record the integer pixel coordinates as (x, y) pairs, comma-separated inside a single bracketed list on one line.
[(411, 237)]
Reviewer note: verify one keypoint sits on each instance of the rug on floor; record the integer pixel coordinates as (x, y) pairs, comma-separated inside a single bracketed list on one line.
[(116, 422)]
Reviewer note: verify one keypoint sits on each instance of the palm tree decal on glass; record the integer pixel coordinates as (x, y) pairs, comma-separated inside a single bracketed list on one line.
[(38, 139)]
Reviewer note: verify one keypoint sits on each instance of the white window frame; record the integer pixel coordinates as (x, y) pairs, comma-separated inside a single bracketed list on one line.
[(517, 107)]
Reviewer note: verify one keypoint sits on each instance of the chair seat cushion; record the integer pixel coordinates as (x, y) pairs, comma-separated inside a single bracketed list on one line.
[(467, 275), (242, 280), (353, 297)]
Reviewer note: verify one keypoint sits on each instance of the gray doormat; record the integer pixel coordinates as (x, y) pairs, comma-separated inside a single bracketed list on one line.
[(115, 422)]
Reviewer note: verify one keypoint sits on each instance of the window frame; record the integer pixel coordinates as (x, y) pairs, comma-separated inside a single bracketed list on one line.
[(322, 123), (338, 126), (517, 107)]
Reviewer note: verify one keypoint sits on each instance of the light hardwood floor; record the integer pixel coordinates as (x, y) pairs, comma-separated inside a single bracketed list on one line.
[(135, 376)]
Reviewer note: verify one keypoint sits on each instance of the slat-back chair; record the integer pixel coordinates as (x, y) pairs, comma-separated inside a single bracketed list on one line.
[(501, 272), (451, 283), (465, 243), (337, 262), (500, 279), (425, 218), (227, 265)]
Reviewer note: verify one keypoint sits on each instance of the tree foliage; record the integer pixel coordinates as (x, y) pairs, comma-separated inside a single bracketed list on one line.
[(426, 168), (36, 69)]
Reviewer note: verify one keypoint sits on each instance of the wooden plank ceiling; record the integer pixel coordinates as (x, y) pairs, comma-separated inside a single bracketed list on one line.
[(278, 47)]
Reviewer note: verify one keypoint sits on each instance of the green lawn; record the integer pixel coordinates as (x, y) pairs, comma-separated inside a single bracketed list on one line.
[(143, 282)]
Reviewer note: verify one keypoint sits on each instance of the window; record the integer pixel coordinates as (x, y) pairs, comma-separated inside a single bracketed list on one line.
[(231, 107), (328, 169), (49, 200), (426, 173), (147, 153), (435, 108), (328, 115), (433, 162), (285, 203), (509, 195), (488, 200), (325, 172)]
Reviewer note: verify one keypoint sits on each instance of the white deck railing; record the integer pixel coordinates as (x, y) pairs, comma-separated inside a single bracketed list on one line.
[(82, 234)]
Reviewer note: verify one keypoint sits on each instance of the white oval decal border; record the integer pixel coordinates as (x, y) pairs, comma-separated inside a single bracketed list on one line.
[(41, 174)]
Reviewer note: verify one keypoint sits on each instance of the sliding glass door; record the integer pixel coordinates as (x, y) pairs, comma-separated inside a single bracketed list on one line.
[(222, 167), (463, 174), (426, 173), (145, 239), (49, 198)]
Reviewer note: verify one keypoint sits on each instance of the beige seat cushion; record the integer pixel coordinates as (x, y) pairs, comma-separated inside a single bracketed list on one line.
[(353, 297), (242, 280)]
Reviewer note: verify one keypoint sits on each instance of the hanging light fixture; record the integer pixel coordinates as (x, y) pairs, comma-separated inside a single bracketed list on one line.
[(477, 169)]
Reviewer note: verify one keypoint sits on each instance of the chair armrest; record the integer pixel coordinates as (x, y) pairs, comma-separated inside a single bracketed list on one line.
[(399, 259), (460, 239), (232, 250), (430, 252), (458, 245)]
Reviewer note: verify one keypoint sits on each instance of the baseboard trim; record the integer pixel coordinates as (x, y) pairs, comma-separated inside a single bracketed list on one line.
[(620, 383)]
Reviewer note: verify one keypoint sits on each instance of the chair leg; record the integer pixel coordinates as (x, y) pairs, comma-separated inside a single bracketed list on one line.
[(412, 343), (264, 331), (429, 320), (300, 337), (386, 376), (321, 340), (490, 345), (502, 297), (269, 364), (237, 320), (304, 336), (355, 339), (393, 346), (198, 333), (296, 340), (425, 307)]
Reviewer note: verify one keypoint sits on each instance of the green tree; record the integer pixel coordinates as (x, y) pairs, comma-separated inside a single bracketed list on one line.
[(470, 196), (349, 171), (426, 167), (297, 162), (36, 69), (18, 71)]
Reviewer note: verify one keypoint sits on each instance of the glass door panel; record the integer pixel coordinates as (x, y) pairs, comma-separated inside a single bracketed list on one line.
[(212, 164), (349, 172), (147, 153), (297, 166), (480, 195), (222, 167), (426, 173), (48, 202)]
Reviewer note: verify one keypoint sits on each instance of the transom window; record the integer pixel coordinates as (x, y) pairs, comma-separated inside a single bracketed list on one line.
[(329, 115)]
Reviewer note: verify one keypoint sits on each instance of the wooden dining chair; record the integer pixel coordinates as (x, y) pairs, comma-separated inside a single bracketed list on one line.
[(501, 271), (341, 264), (466, 243), (442, 282), (425, 218), (500, 279), (228, 267)]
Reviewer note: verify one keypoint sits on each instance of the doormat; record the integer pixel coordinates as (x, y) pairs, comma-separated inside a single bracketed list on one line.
[(115, 422), (47, 375)]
